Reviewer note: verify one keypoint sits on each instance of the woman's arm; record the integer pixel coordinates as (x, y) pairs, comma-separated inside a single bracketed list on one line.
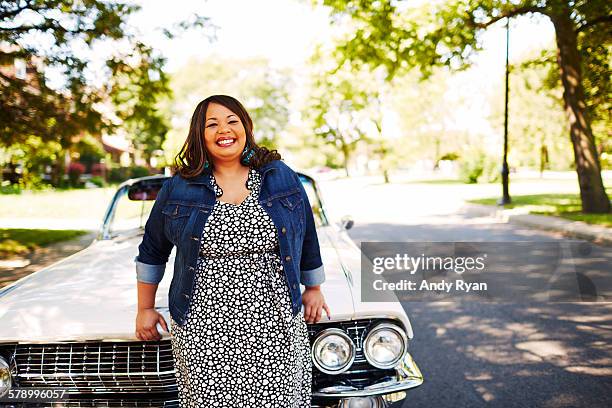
[(153, 253), (146, 295), (311, 265), (155, 248), (312, 274)]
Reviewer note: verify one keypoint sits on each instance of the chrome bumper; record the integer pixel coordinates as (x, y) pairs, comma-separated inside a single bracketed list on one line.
[(408, 376)]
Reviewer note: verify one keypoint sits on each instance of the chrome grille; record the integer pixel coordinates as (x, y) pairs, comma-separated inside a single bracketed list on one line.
[(100, 403), (96, 366)]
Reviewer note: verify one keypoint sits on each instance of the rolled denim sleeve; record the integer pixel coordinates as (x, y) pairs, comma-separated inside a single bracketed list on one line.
[(311, 265), (155, 248)]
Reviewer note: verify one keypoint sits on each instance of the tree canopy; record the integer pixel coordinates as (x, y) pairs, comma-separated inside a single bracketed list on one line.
[(59, 37), (399, 37)]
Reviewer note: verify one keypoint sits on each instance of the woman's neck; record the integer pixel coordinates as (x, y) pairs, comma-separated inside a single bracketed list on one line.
[(228, 169)]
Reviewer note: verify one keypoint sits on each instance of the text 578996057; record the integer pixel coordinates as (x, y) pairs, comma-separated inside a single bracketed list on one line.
[(33, 394)]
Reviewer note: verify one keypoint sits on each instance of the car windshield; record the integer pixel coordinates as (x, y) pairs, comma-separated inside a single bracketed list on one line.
[(130, 208)]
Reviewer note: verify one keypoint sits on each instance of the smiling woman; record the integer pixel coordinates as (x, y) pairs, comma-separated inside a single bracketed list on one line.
[(246, 239)]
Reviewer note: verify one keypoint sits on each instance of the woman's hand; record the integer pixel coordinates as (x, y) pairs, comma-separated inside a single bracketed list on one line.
[(314, 302), (146, 324)]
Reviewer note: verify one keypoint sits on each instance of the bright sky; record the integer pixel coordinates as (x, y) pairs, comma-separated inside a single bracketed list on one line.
[(282, 30)]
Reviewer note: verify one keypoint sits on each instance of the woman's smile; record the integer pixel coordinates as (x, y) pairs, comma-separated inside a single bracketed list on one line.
[(226, 141)]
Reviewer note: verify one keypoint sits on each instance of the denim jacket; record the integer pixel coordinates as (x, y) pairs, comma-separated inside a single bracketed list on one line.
[(180, 212)]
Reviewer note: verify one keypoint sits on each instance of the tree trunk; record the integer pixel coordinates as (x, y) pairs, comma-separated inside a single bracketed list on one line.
[(543, 159), (592, 192), (345, 154)]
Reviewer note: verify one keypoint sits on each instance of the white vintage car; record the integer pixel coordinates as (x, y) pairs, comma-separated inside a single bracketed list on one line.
[(71, 325)]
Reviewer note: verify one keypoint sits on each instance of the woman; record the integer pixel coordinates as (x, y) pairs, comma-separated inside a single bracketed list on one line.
[(245, 238)]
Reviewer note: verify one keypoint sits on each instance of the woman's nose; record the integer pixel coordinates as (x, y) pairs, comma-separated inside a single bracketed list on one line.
[(223, 129)]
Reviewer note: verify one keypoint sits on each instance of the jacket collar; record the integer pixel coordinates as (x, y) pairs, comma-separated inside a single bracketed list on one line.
[(204, 176)]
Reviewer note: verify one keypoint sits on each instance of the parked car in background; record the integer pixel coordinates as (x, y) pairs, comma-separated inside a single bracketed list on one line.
[(71, 325)]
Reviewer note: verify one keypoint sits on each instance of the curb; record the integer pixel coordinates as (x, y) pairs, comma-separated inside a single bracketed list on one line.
[(577, 229)]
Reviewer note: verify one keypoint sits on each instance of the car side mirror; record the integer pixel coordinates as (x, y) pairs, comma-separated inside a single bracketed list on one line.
[(347, 222)]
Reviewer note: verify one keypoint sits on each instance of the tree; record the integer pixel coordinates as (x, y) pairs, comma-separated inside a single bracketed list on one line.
[(61, 36), (40, 32), (539, 125), (335, 110), (345, 106), (429, 116), (138, 83), (399, 38)]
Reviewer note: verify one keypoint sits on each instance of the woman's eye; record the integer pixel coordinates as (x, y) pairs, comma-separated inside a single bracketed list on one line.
[(234, 121), (211, 125)]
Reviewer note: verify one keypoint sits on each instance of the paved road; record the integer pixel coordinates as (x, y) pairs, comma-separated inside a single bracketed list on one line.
[(481, 354)]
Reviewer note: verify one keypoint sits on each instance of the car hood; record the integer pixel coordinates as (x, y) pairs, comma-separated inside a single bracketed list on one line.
[(92, 295)]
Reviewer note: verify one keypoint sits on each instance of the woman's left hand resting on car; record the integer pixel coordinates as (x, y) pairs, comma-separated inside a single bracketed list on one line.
[(314, 302)]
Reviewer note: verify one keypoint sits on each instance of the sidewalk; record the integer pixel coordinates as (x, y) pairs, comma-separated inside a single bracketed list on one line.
[(577, 229)]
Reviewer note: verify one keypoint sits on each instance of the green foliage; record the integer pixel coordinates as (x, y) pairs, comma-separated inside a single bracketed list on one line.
[(139, 171), (33, 107), (399, 37), (121, 174), (344, 107), (538, 126), (52, 35), (452, 156), (90, 151), (594, 47), (7, 188), (475, 166), (98, 181), (428, 114), (137, 85), (34, 155), (118, 174)]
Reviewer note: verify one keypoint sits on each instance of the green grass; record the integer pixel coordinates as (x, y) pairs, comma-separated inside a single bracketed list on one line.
[(76, 203), (18, 241), (561, 205)]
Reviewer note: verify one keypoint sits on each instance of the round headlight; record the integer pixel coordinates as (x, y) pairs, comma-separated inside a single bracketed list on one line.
[(5, 377), (333, 351), (385, 345)]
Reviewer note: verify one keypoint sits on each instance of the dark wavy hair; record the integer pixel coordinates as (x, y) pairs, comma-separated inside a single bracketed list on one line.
[(189, 162)]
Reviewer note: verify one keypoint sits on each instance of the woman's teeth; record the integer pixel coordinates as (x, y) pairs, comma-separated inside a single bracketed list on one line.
[(226, 142)]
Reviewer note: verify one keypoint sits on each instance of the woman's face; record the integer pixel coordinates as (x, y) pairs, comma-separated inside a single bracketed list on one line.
[(224, 133)]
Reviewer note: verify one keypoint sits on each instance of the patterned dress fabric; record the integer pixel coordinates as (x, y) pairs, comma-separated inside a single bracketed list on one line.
[(240, 345)]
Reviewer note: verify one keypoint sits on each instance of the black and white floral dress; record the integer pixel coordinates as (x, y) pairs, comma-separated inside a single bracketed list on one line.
[(240, 345)]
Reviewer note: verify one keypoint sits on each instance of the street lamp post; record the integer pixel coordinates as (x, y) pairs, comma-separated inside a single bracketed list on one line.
[(505, 170)]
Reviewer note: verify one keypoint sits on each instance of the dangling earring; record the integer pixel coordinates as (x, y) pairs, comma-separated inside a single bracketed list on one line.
[(247, 153)]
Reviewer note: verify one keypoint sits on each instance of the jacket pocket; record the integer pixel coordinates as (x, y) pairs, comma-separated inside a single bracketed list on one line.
[(175, 219), (294, 204)]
